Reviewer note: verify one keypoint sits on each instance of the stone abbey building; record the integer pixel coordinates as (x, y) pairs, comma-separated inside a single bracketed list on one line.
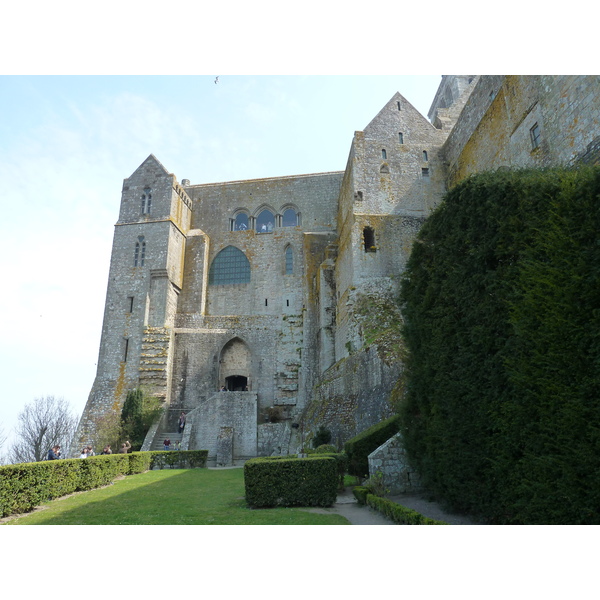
[(281, 290)]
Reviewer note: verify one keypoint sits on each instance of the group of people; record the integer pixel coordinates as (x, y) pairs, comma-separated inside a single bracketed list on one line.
[(54, 453), (87, 451)]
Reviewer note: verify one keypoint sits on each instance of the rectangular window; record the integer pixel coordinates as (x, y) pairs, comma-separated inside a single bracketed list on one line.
[(425, 172), (126, 350), (129, 304), (535, 134), (401, 138)]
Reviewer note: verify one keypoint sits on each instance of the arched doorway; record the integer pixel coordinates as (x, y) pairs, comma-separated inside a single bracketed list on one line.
[(236, 383), (235, 366)]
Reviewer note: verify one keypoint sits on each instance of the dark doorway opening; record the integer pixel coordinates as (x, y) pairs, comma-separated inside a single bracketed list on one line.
[(236, 383)]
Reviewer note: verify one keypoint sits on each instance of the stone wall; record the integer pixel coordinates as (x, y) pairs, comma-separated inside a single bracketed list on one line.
[(494, 129), (352, 395), (391, 461)]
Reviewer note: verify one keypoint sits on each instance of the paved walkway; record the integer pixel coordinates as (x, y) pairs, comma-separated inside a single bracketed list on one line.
[(347, 506)]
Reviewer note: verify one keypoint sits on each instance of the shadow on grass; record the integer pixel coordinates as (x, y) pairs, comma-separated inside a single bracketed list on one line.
[(171, 497)]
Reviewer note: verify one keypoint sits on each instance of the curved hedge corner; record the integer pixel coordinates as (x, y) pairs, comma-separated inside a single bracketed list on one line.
[(291, 481), (360, 446)]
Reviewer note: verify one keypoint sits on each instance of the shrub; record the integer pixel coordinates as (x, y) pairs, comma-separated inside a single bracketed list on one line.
[(178, 459), (341, 461), (399, 514), (288, 481), (325, 449), (27, 485), (376, 486), (323, 436), (359, 447), (360, 493)]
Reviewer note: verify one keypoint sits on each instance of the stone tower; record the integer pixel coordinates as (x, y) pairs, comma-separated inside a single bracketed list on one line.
[(145, 279)]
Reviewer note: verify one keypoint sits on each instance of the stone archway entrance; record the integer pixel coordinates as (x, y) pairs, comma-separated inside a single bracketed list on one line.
[(235, 365), (236, 383)]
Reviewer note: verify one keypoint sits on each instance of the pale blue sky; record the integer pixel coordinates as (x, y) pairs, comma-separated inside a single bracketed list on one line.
[(67, 143)]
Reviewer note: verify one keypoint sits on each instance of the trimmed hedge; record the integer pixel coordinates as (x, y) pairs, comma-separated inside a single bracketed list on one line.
[(27, 485), (401, 515), (359, 447), (501, 300), (291, 481), (179, 459)]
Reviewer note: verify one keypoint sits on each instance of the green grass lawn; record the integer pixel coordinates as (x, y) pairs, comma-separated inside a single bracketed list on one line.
[(171, 497)]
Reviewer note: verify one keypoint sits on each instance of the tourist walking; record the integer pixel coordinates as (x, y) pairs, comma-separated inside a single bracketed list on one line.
[(167, 444), (181, 422)]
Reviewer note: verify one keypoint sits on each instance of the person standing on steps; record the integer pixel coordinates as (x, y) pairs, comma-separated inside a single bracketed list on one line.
[(167, 444), (181, 422)]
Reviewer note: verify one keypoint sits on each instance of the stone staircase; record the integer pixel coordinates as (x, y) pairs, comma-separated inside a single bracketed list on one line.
[(157, 444), (154, 361)]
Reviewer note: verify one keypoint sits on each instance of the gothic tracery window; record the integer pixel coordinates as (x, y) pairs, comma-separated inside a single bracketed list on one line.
[(230, 266)]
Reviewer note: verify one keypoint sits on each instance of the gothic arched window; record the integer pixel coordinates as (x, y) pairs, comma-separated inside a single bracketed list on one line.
[(265, 221), (289, 218), (241, 222), (229, 266)]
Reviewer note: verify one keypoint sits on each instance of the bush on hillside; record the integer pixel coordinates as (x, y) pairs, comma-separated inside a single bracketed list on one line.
[(322, 437)]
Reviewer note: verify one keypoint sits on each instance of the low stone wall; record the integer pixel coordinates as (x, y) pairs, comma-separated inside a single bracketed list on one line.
[(390, 459)]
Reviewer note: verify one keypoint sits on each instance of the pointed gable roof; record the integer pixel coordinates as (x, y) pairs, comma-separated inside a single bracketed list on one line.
[(153, 163), (397, 106)]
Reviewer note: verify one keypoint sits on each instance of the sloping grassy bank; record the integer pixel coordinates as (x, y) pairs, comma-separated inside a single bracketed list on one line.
[(170, 497)]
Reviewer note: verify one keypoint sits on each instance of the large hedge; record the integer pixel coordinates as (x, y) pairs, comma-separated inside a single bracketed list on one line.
[(291, 481), (501, 301), (27, 485)]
